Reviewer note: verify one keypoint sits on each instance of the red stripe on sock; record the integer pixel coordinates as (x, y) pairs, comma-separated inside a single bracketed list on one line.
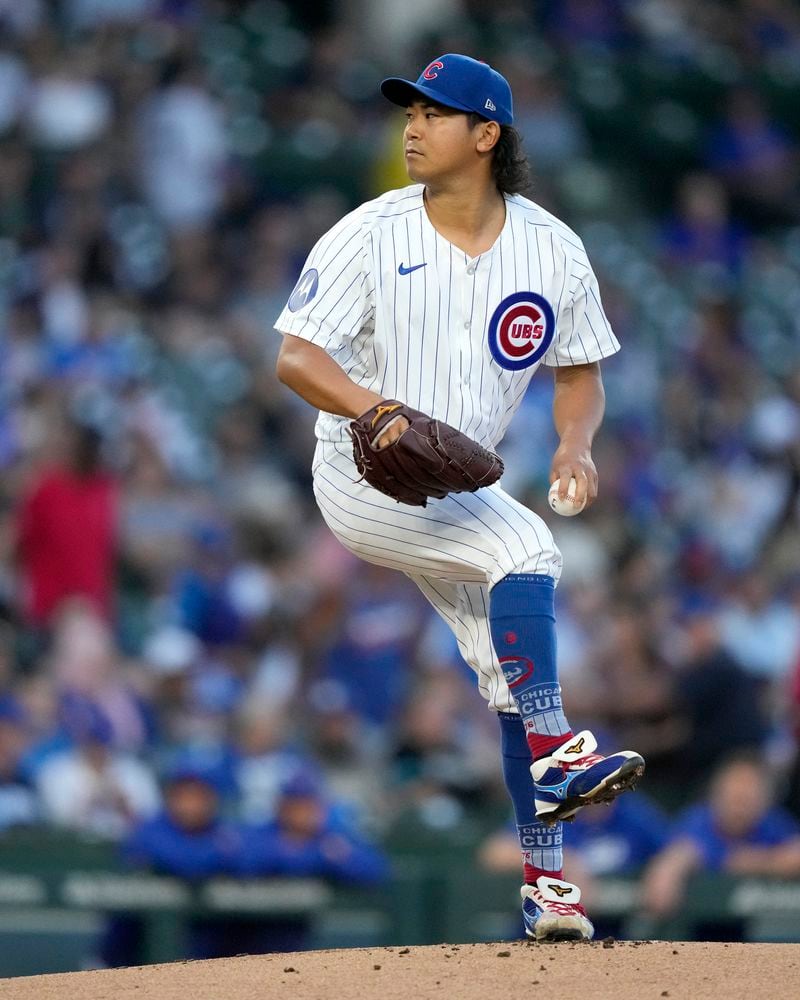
[(531, 874), (542, 746)]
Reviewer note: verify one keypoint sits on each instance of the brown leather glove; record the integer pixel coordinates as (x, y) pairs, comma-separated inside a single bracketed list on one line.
[(429, 459)]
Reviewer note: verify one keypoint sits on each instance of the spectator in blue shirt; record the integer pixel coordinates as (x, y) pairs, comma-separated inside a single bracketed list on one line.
[(188, 839), (737, 830), (700, 233), (376, 644), (757, 158), (619, 839), (310, 837)]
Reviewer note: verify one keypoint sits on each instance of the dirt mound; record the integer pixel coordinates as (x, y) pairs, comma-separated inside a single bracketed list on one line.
[(620, 970)]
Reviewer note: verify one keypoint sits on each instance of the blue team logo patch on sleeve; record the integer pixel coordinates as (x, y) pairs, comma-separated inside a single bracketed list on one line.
[(521, 330), (304, 290)]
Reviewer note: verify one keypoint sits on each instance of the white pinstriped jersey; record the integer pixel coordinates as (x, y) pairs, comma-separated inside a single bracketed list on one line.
[(407, 314)]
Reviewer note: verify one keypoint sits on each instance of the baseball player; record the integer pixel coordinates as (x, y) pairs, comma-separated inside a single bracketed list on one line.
[(415, 328)]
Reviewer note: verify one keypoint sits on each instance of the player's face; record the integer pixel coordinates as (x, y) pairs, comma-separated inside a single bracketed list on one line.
[(438, 142), (739, 798)]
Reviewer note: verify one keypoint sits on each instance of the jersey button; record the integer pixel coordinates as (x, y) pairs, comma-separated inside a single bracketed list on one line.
[(471, 269), (467, 324)]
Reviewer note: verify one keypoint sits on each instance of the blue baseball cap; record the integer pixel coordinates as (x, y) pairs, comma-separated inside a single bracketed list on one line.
[(197, 766), (301, 784), (458, 82)]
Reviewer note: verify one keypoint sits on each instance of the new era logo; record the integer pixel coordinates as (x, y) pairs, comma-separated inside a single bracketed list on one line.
[(490, 104)]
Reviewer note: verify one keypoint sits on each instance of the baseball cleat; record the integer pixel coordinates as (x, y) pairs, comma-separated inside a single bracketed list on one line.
[(574, 776), (552, 911)]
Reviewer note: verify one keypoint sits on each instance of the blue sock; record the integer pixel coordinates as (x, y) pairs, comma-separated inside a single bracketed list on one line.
[(540, 844), (522, 620)]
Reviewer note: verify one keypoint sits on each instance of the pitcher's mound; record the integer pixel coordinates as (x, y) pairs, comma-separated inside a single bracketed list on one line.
[(636, 970)]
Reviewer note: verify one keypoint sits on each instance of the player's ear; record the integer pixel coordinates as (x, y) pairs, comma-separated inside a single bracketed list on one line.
[(487, 137)]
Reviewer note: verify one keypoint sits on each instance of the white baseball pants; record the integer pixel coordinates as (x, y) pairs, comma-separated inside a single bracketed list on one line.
[(454, 549)]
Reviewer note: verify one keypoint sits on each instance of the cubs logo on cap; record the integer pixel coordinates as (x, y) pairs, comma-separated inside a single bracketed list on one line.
[(459, 82), (431, 72), (521, 330)]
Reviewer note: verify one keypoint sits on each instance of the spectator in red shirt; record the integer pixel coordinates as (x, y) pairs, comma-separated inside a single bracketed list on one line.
[(67, 530)]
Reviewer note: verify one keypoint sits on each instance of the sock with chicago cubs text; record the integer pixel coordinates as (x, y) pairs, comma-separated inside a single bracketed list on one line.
[(522, 621), (540, 844)]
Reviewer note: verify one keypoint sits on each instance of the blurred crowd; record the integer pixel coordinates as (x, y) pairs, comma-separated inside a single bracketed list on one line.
[(173, 613)]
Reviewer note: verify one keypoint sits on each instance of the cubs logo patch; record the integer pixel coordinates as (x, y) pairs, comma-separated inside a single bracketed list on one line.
[(304, 290), (521, 330), (516, 669)]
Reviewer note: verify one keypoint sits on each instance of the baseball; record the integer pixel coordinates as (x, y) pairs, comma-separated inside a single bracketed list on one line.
[(569, 506)]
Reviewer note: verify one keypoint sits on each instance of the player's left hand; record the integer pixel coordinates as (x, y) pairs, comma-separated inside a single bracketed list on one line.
[(392, 433), (572, 462), (423, 457)]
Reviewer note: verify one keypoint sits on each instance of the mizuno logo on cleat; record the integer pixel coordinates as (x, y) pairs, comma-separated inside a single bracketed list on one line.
[(576, 747), (382, 410), (559, 890)]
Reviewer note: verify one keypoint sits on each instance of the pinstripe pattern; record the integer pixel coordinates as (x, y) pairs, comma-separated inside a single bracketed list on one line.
[(427, 331), (454, 550), (542, 846), (422, 336)]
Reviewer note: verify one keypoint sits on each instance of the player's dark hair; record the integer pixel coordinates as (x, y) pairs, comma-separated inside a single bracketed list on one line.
[(510, 167)]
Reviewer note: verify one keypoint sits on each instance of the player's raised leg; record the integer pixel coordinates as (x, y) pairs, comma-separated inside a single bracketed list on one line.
[(567, 771)]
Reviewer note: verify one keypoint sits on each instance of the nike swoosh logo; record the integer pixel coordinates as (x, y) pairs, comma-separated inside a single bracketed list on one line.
[(407, 270)]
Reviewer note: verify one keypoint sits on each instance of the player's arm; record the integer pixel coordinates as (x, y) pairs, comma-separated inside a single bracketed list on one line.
[(779, 860), (312, 373), (664, 881), (578, 405)]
